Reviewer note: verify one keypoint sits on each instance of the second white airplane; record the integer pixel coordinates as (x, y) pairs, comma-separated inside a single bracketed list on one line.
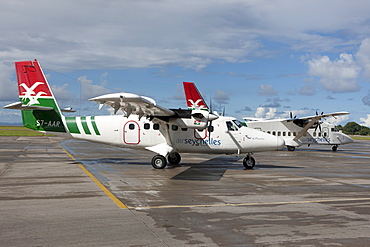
[(305, 130)]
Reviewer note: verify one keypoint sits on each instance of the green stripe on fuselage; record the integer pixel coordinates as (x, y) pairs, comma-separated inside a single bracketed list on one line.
[(72, 125), (84, 126), (94, 126)]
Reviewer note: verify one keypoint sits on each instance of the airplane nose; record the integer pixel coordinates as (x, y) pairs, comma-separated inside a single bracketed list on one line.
[(280, 143)]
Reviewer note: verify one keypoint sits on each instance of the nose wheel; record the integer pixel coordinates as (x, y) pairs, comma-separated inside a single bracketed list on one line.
[(249, 162)]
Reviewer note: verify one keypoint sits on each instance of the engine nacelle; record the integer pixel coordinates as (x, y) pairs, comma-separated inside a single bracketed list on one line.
[(190, 123), (194, 119)]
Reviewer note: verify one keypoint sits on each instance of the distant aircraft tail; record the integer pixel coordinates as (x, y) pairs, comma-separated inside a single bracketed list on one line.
[(40, 110), (194, 99)]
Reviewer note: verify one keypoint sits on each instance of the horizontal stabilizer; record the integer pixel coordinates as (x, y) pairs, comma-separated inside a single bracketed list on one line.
[(68, 109), (21, 106)]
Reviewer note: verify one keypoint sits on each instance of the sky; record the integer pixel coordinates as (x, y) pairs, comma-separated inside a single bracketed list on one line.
[(254, 58)]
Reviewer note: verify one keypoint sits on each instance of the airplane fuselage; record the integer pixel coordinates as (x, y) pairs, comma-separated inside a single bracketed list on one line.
[(227, 137)]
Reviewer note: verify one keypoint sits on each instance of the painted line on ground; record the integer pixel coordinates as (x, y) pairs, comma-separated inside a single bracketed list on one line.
[(101, 186), (251, 204)]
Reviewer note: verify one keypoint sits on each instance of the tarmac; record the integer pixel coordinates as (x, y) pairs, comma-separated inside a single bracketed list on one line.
[(57, 192)]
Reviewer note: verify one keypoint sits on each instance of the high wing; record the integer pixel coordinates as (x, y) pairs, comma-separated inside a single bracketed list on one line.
[(133, 104), (334, 114), (308, 122)]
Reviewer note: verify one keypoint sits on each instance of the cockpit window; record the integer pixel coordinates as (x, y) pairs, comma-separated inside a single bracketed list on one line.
[(231, 126), (238, 123)]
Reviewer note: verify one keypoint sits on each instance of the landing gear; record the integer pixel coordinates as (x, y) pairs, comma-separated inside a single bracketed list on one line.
[(249, 162), (159, 162), (291, 148), (334, 148), (174, 158)]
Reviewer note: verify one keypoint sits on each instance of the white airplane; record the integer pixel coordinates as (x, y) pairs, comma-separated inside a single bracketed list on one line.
[(144, 125), (305, 130)]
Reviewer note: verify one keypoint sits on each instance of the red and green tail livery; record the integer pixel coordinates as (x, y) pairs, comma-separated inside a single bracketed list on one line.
[(39, 108)]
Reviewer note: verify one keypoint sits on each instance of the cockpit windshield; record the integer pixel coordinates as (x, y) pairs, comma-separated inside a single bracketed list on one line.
[(238, 123)]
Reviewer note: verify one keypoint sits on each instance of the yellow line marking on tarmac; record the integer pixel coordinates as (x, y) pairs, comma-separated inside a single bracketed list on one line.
[(252, 203), (101, 186)]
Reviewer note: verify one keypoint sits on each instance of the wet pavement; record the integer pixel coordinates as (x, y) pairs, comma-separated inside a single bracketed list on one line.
[(309, 197)]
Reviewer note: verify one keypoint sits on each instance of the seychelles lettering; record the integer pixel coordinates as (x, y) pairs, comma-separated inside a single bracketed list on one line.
[(199, 142)]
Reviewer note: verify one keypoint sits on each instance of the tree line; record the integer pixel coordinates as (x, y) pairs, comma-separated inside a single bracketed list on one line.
[(353, 128)]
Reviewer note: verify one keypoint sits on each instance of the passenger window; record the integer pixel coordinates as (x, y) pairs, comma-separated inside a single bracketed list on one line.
[(274, 133), (284, 133), (294, 134), (146, 126), (175, 127), (184, 129), (279, 134), (131, 126), (314, 134), (289, 134), (156, 126)]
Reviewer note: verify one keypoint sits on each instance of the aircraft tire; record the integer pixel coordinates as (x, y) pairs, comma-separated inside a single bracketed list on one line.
[(290, 148), (174, 158), (159, 162), (334, 148), (249, 162)]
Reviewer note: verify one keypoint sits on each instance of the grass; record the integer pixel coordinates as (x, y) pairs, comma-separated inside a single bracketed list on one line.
[(18, 131), (360, 137)]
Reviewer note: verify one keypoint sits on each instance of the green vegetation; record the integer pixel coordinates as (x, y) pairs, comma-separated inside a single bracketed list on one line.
[(353, 128), (360, 137), (18, 131)]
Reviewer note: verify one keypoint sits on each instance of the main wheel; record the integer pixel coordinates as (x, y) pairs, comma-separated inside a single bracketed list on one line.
[(249, 162), (334, 148), (159, 162), (291, 148), (174, 158)]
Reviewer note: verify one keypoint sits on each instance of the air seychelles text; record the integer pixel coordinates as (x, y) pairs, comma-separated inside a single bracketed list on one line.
[(200, 142)]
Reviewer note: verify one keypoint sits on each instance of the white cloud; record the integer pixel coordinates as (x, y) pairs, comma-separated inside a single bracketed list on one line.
[(267, 90), (365, 121), (10, 116), (61, 93), (363, 57), (89, 90), (336, 76), (265, 112), (130, 34), (9, 90)]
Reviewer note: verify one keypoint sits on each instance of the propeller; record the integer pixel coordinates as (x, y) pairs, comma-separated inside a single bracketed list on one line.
[(318, 122), (291, 115), (210, 128)]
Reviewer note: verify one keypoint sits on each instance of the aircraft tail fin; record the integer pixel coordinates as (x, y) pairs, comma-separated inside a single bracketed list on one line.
[(194, 99), (40, 110)]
